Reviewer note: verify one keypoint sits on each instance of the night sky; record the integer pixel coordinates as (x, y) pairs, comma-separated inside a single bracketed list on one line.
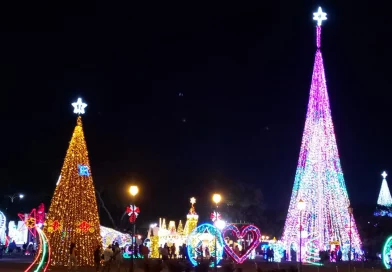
[(182, 94)]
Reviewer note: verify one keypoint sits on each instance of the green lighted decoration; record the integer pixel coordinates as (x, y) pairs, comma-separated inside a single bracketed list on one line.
[(387, 253)]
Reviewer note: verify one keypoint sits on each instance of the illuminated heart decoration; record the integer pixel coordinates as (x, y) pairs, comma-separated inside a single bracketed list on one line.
[(204, 235), (240, 235)]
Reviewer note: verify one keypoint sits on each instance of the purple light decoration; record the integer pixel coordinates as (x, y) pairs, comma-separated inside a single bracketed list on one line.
[(241, 235), (319, 180), (318, 36)]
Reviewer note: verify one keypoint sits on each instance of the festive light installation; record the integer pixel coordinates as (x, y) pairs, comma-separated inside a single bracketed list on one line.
[(110, 235), (132, 212), (3, 227), (201, 237), (215, 216), (40, 215), (253, 243), (191, 218), (42, 259), (30, 221), (384, 202), (387, 253), (384, 198), (319, 178), (73, 213), (79, 106), (180, 228)]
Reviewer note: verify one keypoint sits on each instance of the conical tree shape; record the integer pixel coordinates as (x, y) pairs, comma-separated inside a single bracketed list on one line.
[(73, 214), (319, 178), (180, 228), (384, 198)]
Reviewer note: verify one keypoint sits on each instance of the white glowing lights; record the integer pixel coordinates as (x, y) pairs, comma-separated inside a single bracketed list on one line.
[(384, 175), (319, 180), (3, 227), (193, 200), (384, 198), (79, 106), (319, 16)]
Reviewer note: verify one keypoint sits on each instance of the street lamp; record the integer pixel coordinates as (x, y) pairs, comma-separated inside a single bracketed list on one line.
[(12, 197), (133, 190), (216, 198), (350, 212), (301, 207)]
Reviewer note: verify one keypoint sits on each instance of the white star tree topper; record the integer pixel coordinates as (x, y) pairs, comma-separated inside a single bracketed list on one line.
[(193, 201), (79, 106), (319, 16), (384, 175)]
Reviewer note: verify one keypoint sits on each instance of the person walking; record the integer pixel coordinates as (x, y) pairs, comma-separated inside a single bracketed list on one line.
[(72, 257)]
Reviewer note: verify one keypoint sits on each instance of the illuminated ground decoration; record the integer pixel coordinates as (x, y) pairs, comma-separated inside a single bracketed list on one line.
[(319, 178), (42, 258), (201, 237)]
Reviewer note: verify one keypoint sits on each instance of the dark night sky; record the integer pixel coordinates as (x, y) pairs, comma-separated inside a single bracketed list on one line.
[(244, 69)]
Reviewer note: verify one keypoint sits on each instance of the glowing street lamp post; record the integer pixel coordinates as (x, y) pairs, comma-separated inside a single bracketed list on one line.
[(301, 207), (133, 190), (12, 197), (350, 212), (216, 198)]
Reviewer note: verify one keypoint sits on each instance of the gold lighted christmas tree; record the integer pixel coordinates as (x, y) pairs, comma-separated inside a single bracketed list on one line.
[(73, 214)]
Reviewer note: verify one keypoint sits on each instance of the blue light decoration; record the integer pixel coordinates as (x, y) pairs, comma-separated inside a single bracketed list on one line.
[(204, 235), (387, 253), (83, 170)]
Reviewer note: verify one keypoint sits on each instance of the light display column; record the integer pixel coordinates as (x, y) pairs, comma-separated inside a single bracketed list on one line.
[(73, 213), (191, 218), (319, 178)]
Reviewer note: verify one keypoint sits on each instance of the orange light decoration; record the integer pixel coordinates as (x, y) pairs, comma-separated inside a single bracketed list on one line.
[(30, 221), (74, 202), (85, 227), (54, 226), (42, 258)]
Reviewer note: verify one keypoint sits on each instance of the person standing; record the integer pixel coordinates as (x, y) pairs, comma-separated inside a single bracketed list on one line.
[(107, 258), (97, 257), (72, 257), (117, 257)]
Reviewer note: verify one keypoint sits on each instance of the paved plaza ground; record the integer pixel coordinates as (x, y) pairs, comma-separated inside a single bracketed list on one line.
[(19, 264)]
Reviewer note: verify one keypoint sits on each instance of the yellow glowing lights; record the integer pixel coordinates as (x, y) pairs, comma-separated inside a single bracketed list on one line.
[(133, 190), (216, 198), (73, 203)]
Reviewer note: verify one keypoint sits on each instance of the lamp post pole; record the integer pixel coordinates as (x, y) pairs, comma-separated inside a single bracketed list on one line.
[(301, 207), (216, 198), (133, 190), (216, 238), (300, 241), (12, 197), (350, 212)]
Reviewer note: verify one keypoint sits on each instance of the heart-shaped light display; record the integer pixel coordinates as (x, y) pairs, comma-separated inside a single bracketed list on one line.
[(241, 235), (201, 237)]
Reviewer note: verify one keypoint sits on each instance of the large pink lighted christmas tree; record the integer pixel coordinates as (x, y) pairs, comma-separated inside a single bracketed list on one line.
[(319, 182)]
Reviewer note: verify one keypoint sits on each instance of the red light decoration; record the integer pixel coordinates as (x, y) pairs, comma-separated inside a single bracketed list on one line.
[(84, 226), (132, 212), (40, 216), (54, 225), (215, 216)]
